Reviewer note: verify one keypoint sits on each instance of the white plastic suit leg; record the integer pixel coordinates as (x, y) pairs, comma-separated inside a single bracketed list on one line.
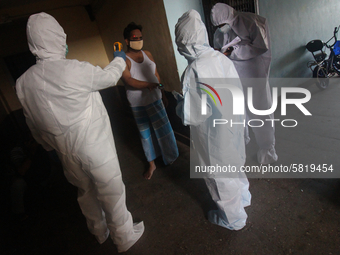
[(264, 135), (101, 196), (231, 196), (246, 196), (87, 198), (246, 132), (119, 220)]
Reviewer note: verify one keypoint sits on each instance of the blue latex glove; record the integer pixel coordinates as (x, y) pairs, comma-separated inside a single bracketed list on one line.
[(119, 54)]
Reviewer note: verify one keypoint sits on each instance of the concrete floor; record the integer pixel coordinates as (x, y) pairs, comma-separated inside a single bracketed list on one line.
[(287, 216)]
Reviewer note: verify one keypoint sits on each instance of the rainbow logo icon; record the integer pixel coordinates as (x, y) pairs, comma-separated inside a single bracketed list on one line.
[(209, 93)]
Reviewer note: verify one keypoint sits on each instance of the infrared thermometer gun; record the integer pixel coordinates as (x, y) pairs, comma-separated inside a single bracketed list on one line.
[(117, 46)]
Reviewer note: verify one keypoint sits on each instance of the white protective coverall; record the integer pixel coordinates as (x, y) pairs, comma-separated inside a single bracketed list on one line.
[(221, 145), (65, 112), (251, 57)]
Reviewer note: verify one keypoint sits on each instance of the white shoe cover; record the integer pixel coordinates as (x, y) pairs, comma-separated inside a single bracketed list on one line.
[(102, 239), (137, 233), (267, 156), (215, 218)]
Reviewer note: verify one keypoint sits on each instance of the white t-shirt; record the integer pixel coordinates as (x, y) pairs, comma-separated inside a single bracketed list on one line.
[(144, 71)]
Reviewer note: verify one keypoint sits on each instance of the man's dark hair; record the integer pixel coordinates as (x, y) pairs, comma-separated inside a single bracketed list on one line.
[(129, 28)]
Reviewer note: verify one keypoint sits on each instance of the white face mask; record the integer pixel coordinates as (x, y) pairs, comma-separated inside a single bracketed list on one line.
[(136, 45), (225, 29)]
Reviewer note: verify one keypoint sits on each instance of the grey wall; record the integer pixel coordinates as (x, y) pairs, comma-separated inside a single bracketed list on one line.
[(293, 23)]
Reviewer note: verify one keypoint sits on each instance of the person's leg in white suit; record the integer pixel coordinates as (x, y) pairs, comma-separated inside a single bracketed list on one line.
[(231, 195), (101, 197)]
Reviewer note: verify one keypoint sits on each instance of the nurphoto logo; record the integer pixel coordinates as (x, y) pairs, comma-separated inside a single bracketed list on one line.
[(239, 105)]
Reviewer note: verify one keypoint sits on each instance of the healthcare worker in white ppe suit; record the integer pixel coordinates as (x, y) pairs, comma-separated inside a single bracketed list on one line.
[(65, 112), (222, 145), (251, 57)]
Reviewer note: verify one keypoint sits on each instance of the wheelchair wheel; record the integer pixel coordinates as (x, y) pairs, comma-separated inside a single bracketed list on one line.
[(321, 73)]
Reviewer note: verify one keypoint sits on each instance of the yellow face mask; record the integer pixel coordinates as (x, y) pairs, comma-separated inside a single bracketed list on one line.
[(136, 45)]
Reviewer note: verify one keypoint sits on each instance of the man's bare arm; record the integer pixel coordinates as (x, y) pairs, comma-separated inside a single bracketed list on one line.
[(165, 100)]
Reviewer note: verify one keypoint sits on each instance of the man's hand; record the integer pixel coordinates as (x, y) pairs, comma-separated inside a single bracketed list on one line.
[(152, 86), (228, 51)]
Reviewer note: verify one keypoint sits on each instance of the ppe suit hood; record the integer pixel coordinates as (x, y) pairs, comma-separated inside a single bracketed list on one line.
[(46, 38), (222, 13), (191, 36)]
